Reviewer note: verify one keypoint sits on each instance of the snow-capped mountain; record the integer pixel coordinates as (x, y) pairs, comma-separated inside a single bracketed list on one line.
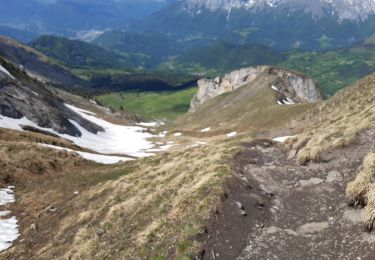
[(308, 24), (345, 9)]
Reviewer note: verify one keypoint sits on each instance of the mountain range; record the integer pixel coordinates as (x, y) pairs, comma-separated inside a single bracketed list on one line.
[(283, 24)]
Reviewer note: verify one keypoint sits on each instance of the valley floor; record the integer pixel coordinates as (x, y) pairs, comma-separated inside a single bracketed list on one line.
[(292, 211)]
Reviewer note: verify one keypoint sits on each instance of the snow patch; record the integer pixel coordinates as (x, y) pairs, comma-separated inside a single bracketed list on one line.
[(4, 70), (115, 139), (80, 110), (206, 130), (148, 124), (6, 196), (233, 134), (99, 158), (163, 134), (177, 134), (274, 88), (8, 227), (4, 213), (283, 138)]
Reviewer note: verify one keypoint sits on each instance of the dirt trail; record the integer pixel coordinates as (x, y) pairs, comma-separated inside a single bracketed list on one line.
[(304, 214)]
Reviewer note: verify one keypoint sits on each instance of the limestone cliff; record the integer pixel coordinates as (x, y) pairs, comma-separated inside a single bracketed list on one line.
[(290, 87)]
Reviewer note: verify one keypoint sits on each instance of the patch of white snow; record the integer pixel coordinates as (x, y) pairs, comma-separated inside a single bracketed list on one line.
[(99, 158), (206, 130), (8, 227), (4, 70), (233, 134), (283, 138)]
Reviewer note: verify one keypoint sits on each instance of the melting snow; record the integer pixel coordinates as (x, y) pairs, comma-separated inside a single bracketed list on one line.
[(4, 213), (115, 139), (283, 138), (163, 134), (8, 227), (233, 134), (11, 123), (4, 70), (206, 130), (274, 88), (6, 196), (8, 232), (99, 158), (177, 134), (148, 124), (80, 110)]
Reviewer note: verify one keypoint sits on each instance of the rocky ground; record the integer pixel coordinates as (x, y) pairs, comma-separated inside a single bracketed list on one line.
[(275, 209)]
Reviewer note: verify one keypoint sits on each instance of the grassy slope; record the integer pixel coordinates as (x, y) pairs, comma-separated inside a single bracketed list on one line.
[(151, 105), (249, 107), (336, 122)]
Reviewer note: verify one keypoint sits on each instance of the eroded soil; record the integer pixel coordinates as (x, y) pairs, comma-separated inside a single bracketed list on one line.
[(303, 212)]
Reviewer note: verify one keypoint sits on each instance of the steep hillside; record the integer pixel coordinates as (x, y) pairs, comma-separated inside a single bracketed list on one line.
[(76, 53), (36, 64), (24, 98), (148, 49)]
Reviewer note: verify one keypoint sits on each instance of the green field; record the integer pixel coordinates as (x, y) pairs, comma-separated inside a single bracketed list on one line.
[(151, 105)]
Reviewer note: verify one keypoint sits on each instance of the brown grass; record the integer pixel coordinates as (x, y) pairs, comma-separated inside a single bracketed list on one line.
[(361, 191), (151, 212), (335, 123)]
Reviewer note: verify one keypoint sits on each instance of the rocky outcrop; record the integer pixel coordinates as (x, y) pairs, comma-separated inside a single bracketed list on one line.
[(21, 96), (289, 86), (295, 86)]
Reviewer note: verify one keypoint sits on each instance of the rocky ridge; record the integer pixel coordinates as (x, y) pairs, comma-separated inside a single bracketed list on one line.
[(288, 85)]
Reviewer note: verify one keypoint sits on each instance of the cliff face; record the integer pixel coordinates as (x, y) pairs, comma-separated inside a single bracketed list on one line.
[(289, 86)]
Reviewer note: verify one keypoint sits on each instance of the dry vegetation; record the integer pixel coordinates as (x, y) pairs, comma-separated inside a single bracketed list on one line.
[(150, 212), (146, 209), (361, 191), (335, 123)]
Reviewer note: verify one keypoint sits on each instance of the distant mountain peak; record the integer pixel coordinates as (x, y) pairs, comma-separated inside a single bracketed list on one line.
[(344, 9)]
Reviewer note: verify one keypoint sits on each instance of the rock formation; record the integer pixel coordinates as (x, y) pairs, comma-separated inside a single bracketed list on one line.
[(288, 85)]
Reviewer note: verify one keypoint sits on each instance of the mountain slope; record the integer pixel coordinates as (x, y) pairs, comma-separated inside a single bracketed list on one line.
[(148, 48), (36, 64), (260, 97), (76, 53), (24, 98)]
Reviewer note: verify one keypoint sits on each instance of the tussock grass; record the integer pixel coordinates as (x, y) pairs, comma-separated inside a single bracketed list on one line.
[(361, 191), (335, 123)]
